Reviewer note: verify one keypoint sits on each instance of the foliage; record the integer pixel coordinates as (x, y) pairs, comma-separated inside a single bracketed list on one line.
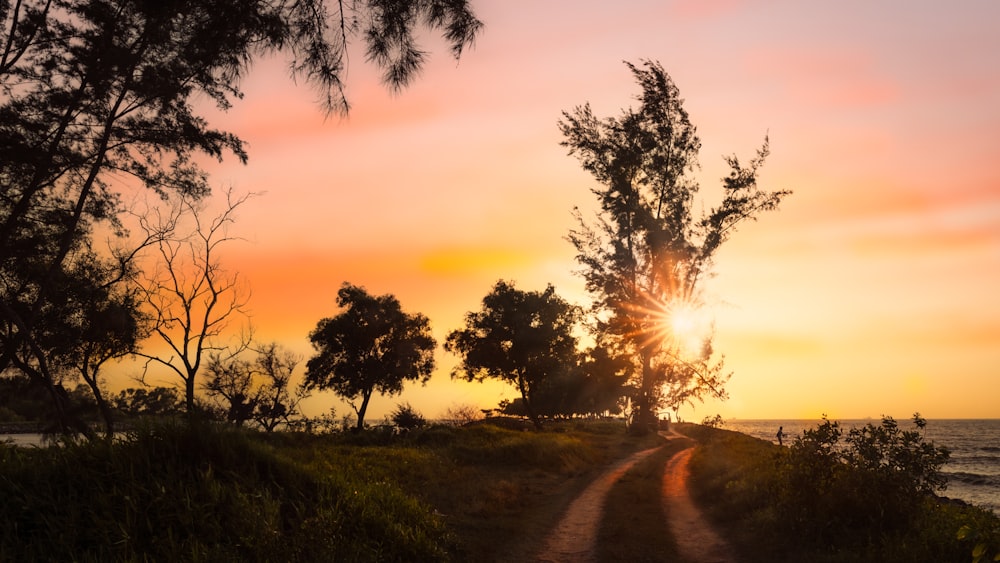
[(984, 537), (646, 255), (371, 345), (152, 401), (406, 418), (463, 414), (202, 494), (522, 337), (257, 390), (98, 97), (212, 493), (875, 481), (823, 498), (713, 421)]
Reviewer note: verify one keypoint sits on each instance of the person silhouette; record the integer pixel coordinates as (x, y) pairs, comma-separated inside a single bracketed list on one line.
[(781, 434)]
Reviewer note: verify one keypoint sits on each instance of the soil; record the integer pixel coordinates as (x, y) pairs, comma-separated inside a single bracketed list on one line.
[(573, 539)]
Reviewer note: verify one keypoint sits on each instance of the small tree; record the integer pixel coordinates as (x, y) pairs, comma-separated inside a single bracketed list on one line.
[(231, 382), (371, 345), (191, 299), (277, 400), (406, 417), (874, 482), (521, 337), (257, 390)]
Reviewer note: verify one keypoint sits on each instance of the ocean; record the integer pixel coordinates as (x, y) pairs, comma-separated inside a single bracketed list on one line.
[(973, 470)]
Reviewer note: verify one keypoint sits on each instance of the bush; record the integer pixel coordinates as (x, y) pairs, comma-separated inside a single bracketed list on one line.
[(832, 496), (406, 418), (875, 481)]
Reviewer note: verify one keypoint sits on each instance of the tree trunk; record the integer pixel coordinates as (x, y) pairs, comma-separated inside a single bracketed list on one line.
[(365, 397), (528, 405), (645, 418)]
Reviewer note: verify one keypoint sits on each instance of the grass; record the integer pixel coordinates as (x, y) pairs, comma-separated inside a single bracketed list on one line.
[(480, 493)]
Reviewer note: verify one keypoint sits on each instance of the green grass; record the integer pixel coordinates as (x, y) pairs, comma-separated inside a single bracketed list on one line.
[(208, 494), (479, 493)]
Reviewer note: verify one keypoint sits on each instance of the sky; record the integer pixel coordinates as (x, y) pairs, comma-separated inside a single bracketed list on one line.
[(872, 291)]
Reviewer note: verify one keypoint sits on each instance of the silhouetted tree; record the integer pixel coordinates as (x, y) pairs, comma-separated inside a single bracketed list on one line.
[(231, 381), (191, 298), (153, 401), (97, 96), (278, 400), (92, 317), (371, 345), (603, 377), (405, 417), (646, 254), (521, 337), (257, 390)]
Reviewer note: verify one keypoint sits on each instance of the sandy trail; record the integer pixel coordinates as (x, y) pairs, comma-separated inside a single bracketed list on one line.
[(697, 542), (574, 538)]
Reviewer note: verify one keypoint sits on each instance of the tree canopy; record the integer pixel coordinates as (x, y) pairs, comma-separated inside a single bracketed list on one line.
[(522, 337), (371, 345), (646, 253)]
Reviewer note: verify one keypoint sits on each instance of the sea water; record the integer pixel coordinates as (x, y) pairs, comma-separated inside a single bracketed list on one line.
[(973, 470)]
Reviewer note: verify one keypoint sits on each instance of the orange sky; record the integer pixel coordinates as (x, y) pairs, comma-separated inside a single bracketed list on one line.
[(874, 289)]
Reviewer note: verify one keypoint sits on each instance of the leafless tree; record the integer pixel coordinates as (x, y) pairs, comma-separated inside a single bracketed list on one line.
[(192, 299)]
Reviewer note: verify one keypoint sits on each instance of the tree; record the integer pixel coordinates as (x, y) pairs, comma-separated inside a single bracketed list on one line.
[(277, 400), (231, 380), (153, 401), (406, 418), (96, 97), (257, 390), (645, 255), (191, 298), (522, 337), (92, 318), (371, 345)]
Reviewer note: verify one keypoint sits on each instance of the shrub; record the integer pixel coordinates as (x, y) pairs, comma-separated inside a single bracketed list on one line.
[(875, 481), (713, 421), (406, 418), (463, 414)]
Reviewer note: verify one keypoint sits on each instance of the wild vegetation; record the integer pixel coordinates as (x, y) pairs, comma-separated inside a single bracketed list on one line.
[(99, 108), (869, 497), (488, 491), (216, 493)]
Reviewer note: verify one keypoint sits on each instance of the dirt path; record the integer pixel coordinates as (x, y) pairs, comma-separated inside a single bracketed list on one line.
[(573, 539), (697, 542)]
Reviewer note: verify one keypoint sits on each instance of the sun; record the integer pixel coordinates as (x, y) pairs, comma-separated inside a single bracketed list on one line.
[(687, 325)]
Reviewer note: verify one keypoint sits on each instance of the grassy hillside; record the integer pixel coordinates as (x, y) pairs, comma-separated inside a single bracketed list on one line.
[(477, 493), (173, 493)]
